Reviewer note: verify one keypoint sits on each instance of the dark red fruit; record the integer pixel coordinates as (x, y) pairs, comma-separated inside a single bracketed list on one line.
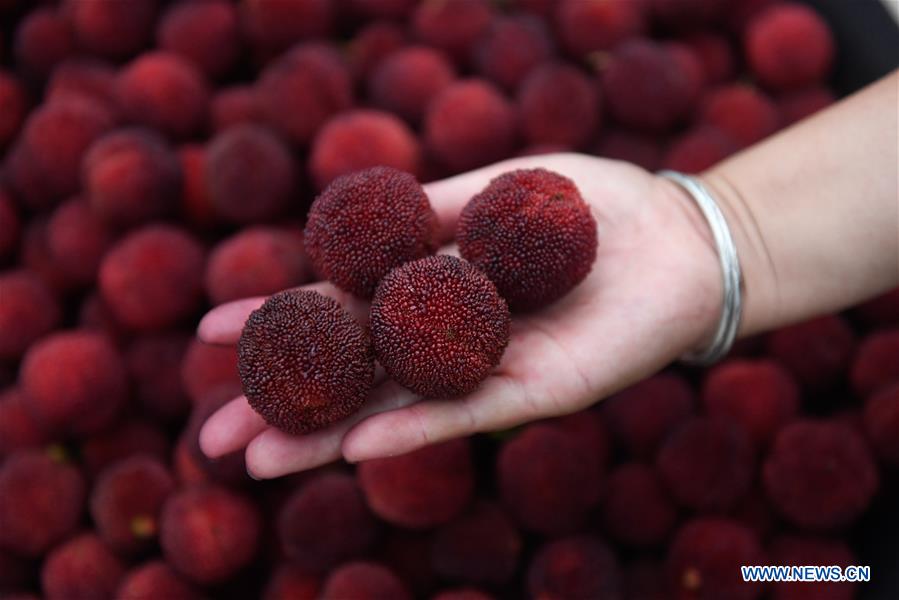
[(648, 86), (559, 105), (462, 594), (234, 105), (881, 421), (325, 522), (131, 176), (192, 464), (708, 463), (630, 146), (882, 311), (876, 364), (28, 311), (789, 46), (75, 381), (205, 33), (84, 78), (818, 352), (546, 481), (793, 550), (800, 104), (272, 26), (586, 26), (407, 80), (153, 580), (153, 277), (645, 580), (383, 9), (43, 39), (206, 369), (511, 48), (542, 253), (705, 557), (15, 107), (126, 500), (257, 261), (250, 174), (362, 139), (697, 150), (289, 582), (820, 475), (10, 223), (196, 205), (113, 30), (304, 362), (367, 223), (470, 124), (452, 25), (365, 581), (637, 510), (163, 91), (19, 429), (76, 241), (209, 533), (439, 327), (480, 546), (420, 489), (283, 90), (154, 364), (742, 113), (759, 395), (574, 568), (83, 567), (126, 439), (686, 14), (715, 54), (372, 44), (41, 502)]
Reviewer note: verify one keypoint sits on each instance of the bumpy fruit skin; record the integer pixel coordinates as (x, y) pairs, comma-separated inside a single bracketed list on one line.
[(28, 311), (41, 502), (760, 395), (481, 546), (131, 176), (741, 112), (708, 463), (362, 139), (153, 277), (454, 26), (83, 567), (364, 580), (578, 567), (876, 363), (250, 174), (207, 368), (76, 241), (470, 124), (818, 352), (283, 90), (648, 87), (630, 146), (272, 26), (19, 429), (533, 235), (208, 533), (304, 362), (257, 261), (881, 421), (698, 149), (789, 46), (637, 510), (558, 105), (511, 48), (111, 29), (439, 326), (325, 522), (705, 557), (420, 489), (407, 80), (165, 92), (820, 475), (152, 580), (546, 481), (586, 26), (796, 550), (365, 224), (205, 33), (289, 582), (126, 500), (75, 381)]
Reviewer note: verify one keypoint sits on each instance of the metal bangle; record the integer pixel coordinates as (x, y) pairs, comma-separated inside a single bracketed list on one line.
[(731, 309)]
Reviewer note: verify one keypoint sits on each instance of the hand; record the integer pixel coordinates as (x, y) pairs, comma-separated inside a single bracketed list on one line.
[(654, 293)]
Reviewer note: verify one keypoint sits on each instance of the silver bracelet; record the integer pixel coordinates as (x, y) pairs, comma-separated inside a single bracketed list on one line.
[(730, 269)]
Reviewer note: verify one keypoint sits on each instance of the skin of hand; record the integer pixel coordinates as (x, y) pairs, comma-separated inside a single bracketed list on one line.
[(654, 293)]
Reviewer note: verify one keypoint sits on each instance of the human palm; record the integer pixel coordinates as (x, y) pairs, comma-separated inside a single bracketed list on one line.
[(654, 292)]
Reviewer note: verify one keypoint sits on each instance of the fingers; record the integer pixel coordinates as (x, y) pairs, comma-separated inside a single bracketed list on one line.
[(230, 428), (223, 324), (498, 404), (274, 453)]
